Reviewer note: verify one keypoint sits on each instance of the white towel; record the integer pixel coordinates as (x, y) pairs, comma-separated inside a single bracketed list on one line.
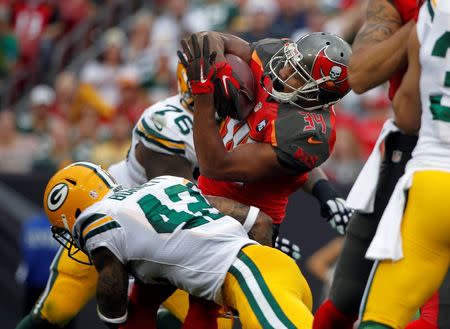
[(387, 243), (362, 194)]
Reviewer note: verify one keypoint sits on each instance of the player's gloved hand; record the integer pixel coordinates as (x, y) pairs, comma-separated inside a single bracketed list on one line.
[(337, 214), (200, 65), (332, 206), (288, 247), (226, 98)]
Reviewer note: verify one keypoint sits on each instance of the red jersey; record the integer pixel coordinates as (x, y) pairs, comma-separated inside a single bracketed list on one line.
[(408, 9), (302, 140)]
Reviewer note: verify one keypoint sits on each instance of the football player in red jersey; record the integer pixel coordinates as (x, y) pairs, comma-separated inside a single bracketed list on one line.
[(379, 50), (267, 156)]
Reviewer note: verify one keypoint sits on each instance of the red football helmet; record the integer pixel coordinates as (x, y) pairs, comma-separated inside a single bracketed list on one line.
[(320, 61)]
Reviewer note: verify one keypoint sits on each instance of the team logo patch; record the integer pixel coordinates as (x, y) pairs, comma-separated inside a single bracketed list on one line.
[(325, 67), (396, 156), (261, 125), (57, 196)]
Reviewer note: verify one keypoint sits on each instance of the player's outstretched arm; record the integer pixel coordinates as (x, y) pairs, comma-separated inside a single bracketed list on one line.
[(379, 48), (407, 105), (112, 287), (257, 224)]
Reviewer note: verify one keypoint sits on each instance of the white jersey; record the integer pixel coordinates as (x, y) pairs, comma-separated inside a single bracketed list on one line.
[(165, 127), (432, 151), (165, 231), (433, 30)]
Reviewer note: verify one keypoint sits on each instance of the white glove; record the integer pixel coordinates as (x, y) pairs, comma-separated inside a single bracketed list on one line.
[(288, 247), (337, 214)]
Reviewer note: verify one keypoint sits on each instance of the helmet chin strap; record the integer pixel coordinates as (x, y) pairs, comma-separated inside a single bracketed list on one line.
[(66, 225)]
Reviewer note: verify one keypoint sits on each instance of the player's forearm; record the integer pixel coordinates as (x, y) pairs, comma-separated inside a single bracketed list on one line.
[(313, 177), (260, 231), (407, 104), (374, 64), (211, 152), (112, 288), (407, 111)]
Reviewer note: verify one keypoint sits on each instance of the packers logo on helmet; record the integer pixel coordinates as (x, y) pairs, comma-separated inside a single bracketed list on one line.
[(70, 191), (57, 196)]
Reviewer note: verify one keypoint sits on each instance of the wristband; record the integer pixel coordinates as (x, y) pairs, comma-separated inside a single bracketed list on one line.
[(119, 320), (324, 191), (251, 218)]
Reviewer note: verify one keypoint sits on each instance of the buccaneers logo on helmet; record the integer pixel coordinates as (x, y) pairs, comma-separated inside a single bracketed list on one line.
[(336, 73)]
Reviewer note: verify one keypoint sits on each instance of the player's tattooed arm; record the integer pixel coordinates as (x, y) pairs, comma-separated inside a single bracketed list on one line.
[(379, 48), (261, 230), (112, 287)]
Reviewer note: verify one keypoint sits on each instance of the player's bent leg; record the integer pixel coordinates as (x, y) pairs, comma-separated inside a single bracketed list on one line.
[(268, 290), (70, 286), (397, 289), (179, 306)]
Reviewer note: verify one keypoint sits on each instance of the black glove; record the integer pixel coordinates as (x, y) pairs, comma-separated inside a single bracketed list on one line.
[(288, 247), (226, 98), (200, 66), (332, 206)]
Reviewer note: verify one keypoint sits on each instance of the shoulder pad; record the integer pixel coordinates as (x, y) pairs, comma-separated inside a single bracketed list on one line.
[(304, 139), (160, 133)]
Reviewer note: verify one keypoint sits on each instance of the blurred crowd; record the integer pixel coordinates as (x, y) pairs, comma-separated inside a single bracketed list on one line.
[(88, 114)]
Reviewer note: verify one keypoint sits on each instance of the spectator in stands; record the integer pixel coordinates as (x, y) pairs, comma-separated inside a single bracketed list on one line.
[(133, 98), (216, 15), (85, 135), (9, 48), (259, 16), (57, 152), (37, 25), (101, 73), (162, 83), (376, 109), (346, 161), (42, 99), (74, 11), (71, 96), (171, 25), (138, 52), (17, 150), (291, 16), (116, 148)]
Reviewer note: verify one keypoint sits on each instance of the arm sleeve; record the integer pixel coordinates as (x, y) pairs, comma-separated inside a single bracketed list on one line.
[(99, 230)]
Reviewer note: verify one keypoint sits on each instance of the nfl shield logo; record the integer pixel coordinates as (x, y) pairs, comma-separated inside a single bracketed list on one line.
[(396, 156)]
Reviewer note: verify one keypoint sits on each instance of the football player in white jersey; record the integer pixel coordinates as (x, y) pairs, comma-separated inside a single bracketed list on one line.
[(165, 233), (412, 243), (161, 145)]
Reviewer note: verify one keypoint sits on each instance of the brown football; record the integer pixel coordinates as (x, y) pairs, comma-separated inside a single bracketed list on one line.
[(247, 91)]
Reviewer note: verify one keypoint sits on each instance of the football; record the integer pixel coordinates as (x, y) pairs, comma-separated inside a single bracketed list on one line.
[(247, 92)]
